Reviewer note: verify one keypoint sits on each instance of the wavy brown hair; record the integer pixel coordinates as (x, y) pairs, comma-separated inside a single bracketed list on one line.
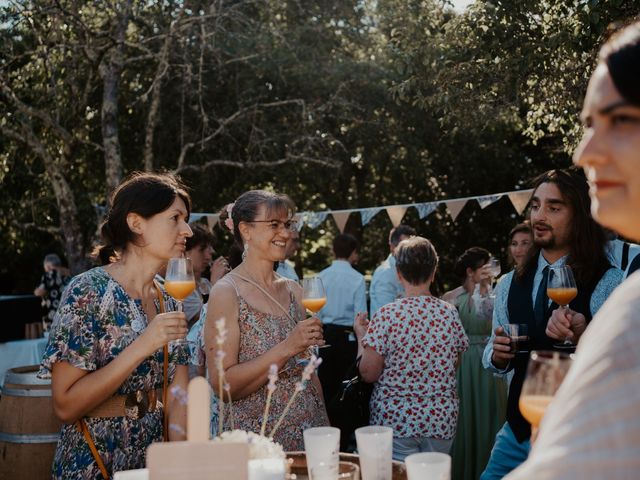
[(587, 257)]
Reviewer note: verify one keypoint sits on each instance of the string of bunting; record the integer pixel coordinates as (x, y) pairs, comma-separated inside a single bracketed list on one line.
[(518, 198)]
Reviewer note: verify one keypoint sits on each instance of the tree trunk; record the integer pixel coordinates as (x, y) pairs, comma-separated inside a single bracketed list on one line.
[(154, 107), (111, 69), (72, 237)]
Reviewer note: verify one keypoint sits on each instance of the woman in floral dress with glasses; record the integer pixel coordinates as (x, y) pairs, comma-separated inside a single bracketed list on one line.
[(410, 349), (105, 350), (265, 321)]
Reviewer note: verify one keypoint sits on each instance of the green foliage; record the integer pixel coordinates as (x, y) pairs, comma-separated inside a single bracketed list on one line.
[(338, 104)]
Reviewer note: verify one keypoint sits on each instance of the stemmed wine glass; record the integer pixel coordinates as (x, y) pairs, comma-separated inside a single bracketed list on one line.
[(314, 297), (545, 373), (179, 282), (494, 271), (561, 288)]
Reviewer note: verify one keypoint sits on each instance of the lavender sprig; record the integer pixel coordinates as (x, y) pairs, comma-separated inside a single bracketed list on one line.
[(227, 389), (314, 363), (221, 337), (271, 387)]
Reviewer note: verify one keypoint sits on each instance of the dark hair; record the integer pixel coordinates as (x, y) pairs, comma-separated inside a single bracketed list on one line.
[(234, 257), (400, 231), (587, 256), (344, 245), (416, 260), (145, 194), (245, 209), (621, 55), (524, 227), (202, 237), (472, 258)]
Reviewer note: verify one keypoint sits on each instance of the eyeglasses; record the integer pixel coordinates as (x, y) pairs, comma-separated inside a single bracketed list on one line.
[(279, 225)]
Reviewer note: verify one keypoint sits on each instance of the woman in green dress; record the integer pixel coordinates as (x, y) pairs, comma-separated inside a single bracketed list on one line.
[(483, 397)]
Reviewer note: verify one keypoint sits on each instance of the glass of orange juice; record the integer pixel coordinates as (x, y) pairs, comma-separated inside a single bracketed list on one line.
[(545, 372), (562, 289), (314, 297), (179, 282)]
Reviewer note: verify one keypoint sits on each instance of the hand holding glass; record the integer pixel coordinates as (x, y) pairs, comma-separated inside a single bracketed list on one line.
[(179, 283), (545, 373), (561, 288), (518, 336), (314, 297)]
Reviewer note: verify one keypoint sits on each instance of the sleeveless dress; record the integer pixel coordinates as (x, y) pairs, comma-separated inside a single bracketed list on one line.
[(483, 397), (260, 332)]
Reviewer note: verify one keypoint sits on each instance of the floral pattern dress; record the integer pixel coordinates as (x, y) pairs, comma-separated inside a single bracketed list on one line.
[(96, 321), (260, 332), (420, 339)]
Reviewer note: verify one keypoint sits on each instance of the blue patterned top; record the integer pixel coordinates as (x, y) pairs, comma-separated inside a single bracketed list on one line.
[(96, 321)]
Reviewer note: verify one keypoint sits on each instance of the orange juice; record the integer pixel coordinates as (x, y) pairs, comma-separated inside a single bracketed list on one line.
[(533, 407), (179, 289), (314, 304), (562, 296)]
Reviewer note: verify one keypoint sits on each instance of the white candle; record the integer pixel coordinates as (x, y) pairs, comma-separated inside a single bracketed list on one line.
[(266, 469)]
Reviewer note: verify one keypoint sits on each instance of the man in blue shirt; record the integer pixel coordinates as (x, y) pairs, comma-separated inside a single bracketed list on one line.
[(346, 296), (385, 286), (564, 234)]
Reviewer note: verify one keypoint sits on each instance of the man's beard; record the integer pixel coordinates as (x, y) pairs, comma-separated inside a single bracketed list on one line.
[(545, 242)]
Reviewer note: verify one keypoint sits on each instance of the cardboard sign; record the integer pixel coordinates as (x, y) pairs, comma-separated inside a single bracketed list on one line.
[(198, 461)]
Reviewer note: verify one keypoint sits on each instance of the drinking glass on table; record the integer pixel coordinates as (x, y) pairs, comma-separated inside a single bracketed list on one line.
[(545, 373), (179, 283), (322, 447), (314, 297), (375, 448), (561, 288), (428, 465)]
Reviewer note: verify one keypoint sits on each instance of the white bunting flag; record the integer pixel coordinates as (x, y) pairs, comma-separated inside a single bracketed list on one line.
[(211, 221), (341, 219), (520, 200), (396, 214), (455, 207)]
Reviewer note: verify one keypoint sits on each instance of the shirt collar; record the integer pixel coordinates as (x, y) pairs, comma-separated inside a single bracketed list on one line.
[(542, 262), (392, 260), (342, 263)]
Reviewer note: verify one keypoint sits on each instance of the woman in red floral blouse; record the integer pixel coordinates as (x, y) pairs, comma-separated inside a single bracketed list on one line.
[(410, 349)]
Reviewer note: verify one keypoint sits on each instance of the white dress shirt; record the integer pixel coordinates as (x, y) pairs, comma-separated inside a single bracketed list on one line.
[(345, 294), (385, 286)]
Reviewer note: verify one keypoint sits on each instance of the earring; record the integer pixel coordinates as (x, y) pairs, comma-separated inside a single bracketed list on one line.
[(245, 251)]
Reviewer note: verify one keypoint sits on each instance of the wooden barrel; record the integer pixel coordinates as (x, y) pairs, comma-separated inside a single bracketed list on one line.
[(29, 430)]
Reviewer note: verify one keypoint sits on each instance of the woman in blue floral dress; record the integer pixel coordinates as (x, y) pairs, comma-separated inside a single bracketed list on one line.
[(105, 351)]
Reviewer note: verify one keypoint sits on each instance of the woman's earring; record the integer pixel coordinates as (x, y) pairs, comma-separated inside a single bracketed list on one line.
[(245, 251)]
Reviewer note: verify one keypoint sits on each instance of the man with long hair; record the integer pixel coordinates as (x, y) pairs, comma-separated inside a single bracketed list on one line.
[(564, 233)]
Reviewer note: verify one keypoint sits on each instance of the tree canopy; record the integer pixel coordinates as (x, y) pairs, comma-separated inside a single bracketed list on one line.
[(338, 104)]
